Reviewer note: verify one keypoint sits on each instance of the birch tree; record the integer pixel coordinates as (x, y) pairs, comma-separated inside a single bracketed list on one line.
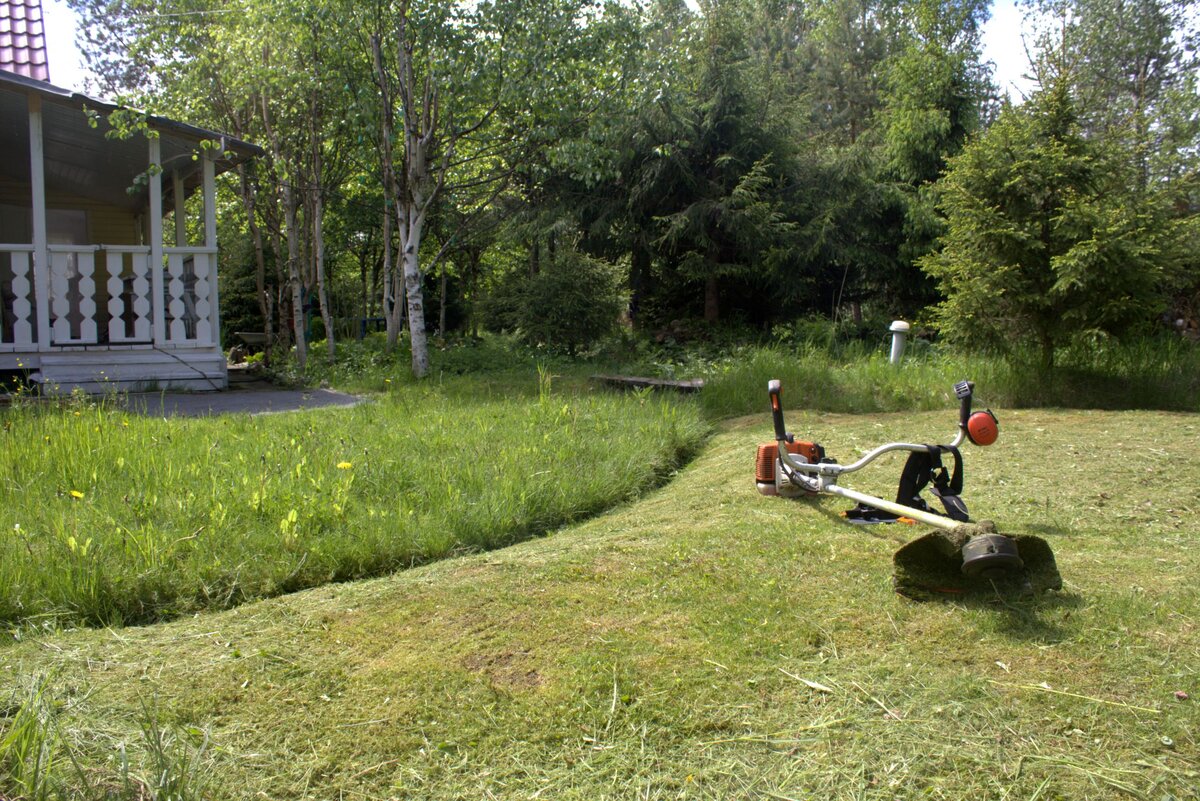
[(426, 148), (461, 90)]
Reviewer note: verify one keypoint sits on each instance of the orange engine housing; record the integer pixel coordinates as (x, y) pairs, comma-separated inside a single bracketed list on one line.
[(768, 453)]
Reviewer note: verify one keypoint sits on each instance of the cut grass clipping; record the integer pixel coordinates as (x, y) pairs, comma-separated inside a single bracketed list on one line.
[(107, 517), (706, 642)]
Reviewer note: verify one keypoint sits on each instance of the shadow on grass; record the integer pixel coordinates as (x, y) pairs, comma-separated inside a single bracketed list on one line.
[(896, 533), (1008, 609), (1024, 608), (1027, 619)]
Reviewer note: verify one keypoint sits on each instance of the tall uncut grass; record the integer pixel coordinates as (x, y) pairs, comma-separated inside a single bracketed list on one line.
[(107, 517), (1147, 374)]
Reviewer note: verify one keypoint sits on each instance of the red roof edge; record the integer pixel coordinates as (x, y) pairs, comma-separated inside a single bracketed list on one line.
[(23, 39)]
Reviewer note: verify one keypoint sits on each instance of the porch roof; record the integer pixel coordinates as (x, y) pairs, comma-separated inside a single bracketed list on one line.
[(80, 160)]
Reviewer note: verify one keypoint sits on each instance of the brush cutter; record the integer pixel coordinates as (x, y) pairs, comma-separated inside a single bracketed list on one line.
[(960, 555)]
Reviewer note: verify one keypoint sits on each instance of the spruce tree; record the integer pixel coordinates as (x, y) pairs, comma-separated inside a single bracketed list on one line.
[(1042, 243)]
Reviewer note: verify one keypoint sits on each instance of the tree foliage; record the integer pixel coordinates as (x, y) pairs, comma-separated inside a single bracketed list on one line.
[(748, 160), (574, 300)]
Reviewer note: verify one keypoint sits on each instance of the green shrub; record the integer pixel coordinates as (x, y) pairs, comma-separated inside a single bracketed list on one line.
[(572, 303)]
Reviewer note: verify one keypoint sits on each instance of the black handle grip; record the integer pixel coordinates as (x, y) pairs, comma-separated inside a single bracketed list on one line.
[(964, 390), (773, 389)]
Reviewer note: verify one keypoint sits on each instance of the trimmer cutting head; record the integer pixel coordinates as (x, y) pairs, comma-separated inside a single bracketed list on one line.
[(974, 559), (990, 556)]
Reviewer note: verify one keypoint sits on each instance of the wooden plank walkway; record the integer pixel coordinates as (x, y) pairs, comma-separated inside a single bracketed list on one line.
[(636, 382)]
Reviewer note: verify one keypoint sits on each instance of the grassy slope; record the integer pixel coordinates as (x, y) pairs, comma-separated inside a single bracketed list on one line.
[(647, 653)]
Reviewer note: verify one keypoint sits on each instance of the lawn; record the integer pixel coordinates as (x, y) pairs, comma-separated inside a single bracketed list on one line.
[(705, 642)]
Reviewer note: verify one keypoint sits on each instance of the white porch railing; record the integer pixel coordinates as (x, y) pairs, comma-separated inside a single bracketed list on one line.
[(73, 296), (18, 327), (130, 317), (190, 296), (108, 301)]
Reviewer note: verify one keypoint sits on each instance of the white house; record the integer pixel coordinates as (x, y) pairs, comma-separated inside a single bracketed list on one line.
[(92, 294)]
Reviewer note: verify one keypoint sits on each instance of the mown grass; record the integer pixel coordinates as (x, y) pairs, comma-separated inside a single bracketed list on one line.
[(107, 517), (706, 642)]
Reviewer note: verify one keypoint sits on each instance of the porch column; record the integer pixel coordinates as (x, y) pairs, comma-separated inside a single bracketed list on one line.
[(210, 237), (180, 212), (41, 253), (156, 243)]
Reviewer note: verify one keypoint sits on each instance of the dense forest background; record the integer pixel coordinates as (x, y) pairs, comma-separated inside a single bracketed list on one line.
[(549, 167)]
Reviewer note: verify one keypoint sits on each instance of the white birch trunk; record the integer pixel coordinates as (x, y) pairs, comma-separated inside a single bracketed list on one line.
[(392, 272), (319, 255), (415, 297), (390, 302), (415, 185), (297, 285)]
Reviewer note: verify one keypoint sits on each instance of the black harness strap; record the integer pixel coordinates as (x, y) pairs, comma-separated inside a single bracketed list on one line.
[(924, 467)]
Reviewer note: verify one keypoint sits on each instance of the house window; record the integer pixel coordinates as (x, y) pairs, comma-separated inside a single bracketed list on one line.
[(63, 226), (14, 225), (66, 227)]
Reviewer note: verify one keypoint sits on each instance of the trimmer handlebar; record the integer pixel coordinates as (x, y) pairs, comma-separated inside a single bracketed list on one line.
[(773, 389), (963, 391)]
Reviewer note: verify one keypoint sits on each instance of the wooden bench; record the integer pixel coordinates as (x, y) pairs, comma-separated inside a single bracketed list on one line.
[(635, 382)]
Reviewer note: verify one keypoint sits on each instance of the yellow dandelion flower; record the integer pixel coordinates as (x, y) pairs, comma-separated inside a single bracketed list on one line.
[(76, 494), (344, 465)]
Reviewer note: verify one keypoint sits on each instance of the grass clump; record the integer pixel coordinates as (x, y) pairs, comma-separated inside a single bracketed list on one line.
[(835, 368), (39, 762), (28, 747), (367, 365), (107, 517)]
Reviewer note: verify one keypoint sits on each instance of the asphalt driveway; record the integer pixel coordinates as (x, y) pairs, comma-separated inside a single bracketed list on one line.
[(236, 401)]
